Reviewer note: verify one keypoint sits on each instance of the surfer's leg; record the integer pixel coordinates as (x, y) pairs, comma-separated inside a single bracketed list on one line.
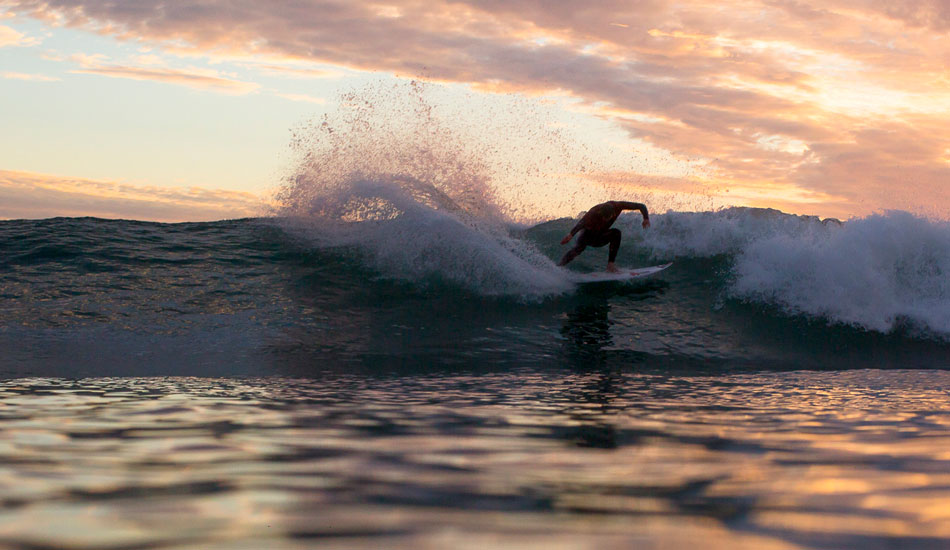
[(579, 247), (611, 237), (614, 238), (572, 253)]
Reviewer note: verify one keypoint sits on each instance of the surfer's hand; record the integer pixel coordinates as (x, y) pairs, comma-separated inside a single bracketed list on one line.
[(646, 224), (567, 238)]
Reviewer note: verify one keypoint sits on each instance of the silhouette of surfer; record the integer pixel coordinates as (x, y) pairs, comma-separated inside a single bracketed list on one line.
[(594, 229)]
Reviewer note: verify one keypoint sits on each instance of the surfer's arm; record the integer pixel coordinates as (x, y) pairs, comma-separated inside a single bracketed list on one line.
[(636, 206)]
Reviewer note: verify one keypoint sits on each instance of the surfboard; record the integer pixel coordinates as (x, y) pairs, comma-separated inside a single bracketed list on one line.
[(625, 274)]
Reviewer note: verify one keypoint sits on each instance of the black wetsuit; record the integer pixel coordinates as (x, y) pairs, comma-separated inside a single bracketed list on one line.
[(595, 229)]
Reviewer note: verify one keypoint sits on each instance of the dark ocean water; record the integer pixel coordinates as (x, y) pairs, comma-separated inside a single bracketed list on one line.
[(91, 297), (428, 381)]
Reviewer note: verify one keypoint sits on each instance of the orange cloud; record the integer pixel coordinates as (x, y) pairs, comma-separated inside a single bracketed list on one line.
[(201, 79), (11, 37), (27, 194), (28, 76)]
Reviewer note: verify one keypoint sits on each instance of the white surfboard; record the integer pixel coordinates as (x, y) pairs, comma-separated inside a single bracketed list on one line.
[(625, 274)]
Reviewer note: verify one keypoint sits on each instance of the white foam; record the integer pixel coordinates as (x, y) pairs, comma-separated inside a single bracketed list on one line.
[(409, 231), (874, 272), (728, 231), (877, 273)]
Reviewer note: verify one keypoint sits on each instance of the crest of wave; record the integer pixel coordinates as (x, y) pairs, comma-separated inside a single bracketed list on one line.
[(385, 175), (879, 273)]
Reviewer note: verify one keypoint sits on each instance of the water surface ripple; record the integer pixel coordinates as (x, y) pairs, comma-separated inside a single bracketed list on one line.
[(521, 458)]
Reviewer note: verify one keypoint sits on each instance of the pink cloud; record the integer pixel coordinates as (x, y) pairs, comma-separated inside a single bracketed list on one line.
[(934, 14)]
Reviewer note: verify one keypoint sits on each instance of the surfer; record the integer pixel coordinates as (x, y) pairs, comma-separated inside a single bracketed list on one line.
[(594, 229)]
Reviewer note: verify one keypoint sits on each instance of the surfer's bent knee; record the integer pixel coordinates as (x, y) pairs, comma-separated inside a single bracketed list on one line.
[(614, 236)]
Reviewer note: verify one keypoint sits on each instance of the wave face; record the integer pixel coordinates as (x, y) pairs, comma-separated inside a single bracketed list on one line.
[(425, 283)]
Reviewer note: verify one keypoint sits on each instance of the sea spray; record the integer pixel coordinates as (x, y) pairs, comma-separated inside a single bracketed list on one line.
[(417, 196), (409, 239), (506, 158)]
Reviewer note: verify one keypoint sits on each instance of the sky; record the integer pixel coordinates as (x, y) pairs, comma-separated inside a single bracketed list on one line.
[(186, 110)]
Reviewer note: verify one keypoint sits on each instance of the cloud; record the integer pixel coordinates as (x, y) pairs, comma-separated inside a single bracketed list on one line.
[(28, 194), (12, 37), (288, 71), (9, 37), (933, 14), (200, 79), (28, 76), (302, 97), (897, 165), (785, 92)]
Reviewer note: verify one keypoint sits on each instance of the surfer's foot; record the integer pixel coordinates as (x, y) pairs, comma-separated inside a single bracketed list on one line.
[(612, 268)]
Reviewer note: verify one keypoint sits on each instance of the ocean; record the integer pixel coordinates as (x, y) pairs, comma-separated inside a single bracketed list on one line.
[(411, 372)]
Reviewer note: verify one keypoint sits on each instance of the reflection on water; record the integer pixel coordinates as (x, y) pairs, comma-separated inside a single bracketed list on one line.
[(528, 458), (587, 333)]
